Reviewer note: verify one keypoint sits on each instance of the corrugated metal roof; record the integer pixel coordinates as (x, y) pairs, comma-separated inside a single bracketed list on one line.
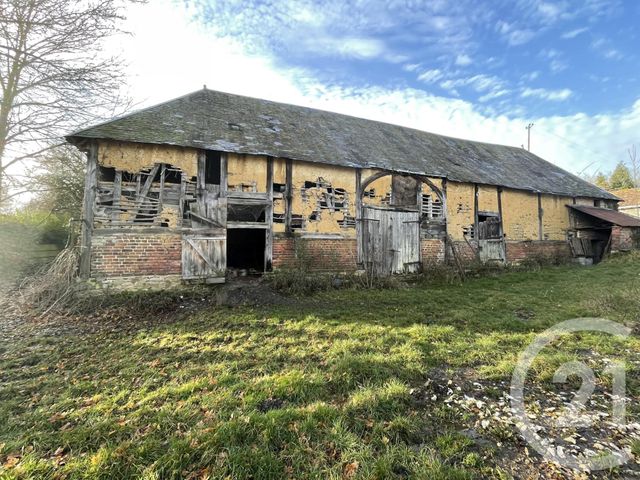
[(611, 216), (232, 123)]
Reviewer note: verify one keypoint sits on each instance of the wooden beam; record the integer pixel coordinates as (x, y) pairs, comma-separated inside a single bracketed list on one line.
[(90, 187), (359, 239), (224, 175), (202, 168), (268, 241), (181, 199), (540, 215), (499, 190), (254, 225), (288, 197), (117, 194), (475, 211), (504, 241), (144, 191)]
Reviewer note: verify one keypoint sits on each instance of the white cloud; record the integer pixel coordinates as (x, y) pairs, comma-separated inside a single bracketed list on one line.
[(463, 60), (493, 95), (530, 77), (574, 33), (514, 36), (550, 11), (431, 76), (604, 48), (556, 59), (165, 66), (544, 94), (355, 47), (479, 83), (411, 67)]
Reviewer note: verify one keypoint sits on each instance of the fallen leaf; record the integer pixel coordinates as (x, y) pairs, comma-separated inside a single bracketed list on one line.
[(350, 470), (11, 461)]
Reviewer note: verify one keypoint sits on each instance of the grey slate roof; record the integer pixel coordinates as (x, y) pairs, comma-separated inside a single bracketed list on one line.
[(232, 123)]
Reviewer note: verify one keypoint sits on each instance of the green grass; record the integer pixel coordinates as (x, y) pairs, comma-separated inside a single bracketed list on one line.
[(320, 390)]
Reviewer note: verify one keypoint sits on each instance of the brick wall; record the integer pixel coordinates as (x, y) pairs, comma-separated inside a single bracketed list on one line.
[(624, 238), (518, 251), (331, 254), (432, 251), (467, 252), (127, 253)]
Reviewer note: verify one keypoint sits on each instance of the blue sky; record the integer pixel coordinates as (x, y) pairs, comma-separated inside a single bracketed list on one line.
[(479, 70), (512, 57)]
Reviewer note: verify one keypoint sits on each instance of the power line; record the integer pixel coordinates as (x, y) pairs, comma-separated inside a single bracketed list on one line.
[(602, 155)]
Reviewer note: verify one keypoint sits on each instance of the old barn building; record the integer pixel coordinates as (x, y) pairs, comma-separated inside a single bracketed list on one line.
[(212, 183)]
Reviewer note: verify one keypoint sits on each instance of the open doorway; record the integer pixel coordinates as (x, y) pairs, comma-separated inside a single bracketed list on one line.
[(245, 249)]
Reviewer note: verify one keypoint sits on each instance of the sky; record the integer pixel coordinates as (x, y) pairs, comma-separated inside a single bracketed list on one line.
[(473, 69)]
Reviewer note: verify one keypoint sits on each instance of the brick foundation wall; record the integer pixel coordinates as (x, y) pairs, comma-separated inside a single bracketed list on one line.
[(330, 254), (518, 251), (467, 252), (432, 251), (131, 254), (624, 239)]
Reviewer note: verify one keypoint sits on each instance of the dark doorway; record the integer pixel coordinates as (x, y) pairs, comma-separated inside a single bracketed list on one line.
[(245, 249)]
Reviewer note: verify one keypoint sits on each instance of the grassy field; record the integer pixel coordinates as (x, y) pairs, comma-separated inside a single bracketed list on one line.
[(343, 384)]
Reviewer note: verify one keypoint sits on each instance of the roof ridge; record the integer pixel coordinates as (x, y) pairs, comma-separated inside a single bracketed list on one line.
[(215, 120)]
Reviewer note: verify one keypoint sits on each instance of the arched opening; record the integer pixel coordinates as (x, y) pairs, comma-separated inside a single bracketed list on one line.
[(396, 212)]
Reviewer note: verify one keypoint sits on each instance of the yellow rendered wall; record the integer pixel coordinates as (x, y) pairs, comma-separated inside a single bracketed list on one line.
[(555, 217), (460, 214), (133, 157), (246, 173), (583, 201), (305, 205), (381, 188), (488, 198), (520, 214)]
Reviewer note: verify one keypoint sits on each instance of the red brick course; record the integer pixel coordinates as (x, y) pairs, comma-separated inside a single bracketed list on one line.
[(329, 254), (518, 251), (432, 251), (124, 254)]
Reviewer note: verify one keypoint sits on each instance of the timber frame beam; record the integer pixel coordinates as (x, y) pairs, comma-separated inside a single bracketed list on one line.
[(90, 184)]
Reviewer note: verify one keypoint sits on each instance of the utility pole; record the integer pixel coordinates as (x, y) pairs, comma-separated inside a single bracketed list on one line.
[(528, 127)]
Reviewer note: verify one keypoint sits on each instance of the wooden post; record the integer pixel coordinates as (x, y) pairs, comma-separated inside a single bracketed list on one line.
[(117, 194), (183, 194), (223, 174), (504, 242), (90, 187), (202, 168), (163, 171), (359, 236), (268, 241), (445, 215), (288, 197), (540, 215), (475, 211)]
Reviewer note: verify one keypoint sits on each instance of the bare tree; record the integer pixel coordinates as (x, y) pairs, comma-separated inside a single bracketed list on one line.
[(634, 162), (54, 75)]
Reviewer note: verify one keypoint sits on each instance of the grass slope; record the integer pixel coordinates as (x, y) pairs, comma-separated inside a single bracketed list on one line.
[(322, 389)]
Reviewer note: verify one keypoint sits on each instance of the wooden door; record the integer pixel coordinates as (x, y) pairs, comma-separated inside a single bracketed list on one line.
[(490, 241), (204, 247), (390, 241), (204, 257)]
